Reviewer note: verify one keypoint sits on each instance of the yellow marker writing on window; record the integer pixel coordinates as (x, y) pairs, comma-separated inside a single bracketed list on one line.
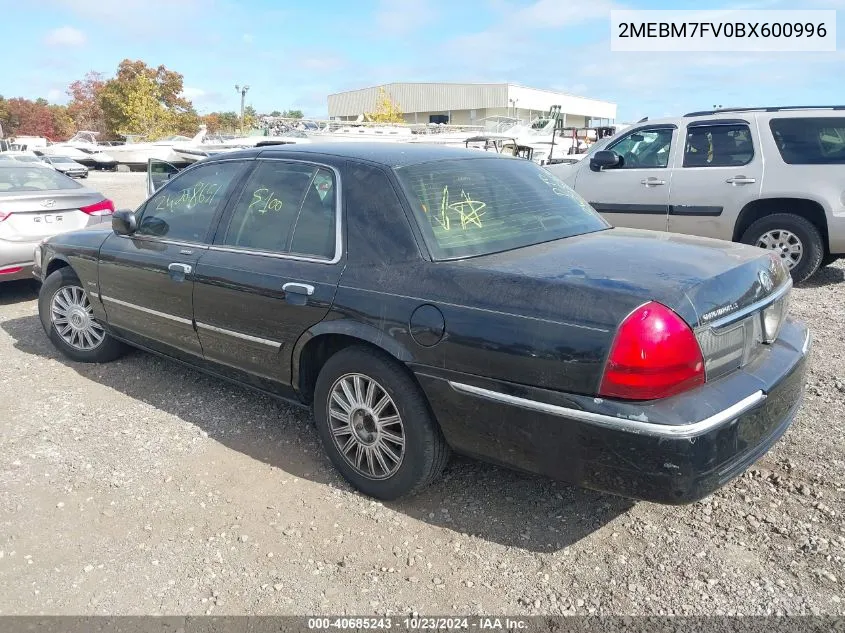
[(265, 200)]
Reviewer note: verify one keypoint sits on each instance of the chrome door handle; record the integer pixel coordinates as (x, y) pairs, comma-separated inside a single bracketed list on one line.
[(740, 180), (302, 289), (652, 182), (185, 269)]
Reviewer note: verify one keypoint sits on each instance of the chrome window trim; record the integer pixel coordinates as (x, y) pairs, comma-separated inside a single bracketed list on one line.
[(245, 337), (338, 231), (158, 240), (620, 424), (808, 341), (750, 309), (134, 306)]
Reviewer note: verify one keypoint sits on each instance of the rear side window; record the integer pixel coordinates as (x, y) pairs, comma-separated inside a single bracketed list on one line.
[(479, 206), (810, 140), (286, 208), (718, 146)]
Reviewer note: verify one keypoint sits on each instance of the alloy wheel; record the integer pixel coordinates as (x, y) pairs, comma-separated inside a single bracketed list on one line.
[(366, 426), (784, 243), (73, 318)]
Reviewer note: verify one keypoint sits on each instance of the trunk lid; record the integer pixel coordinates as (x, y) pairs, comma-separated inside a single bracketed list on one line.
[(33, 217), (599, 278)]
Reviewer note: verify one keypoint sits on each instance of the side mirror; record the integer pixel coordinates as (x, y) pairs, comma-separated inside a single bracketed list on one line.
[(605, 159), (124, 222)]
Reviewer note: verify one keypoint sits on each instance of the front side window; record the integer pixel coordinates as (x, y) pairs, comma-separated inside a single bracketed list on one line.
[(718, 146), (286, 208), (184, 208), (810, 140), (477, 206), (644, 149)]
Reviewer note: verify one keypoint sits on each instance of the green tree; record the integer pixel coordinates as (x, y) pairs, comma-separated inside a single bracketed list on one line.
[(250, 118), (148, 101), (228, 121)]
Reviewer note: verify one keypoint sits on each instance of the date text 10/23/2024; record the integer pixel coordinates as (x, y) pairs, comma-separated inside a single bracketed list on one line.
[(419, 623)]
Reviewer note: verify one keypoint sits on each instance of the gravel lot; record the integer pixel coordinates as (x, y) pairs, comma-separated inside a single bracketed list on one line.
[(140, 487)]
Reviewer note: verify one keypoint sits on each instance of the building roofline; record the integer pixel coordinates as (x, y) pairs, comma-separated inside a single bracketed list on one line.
[(470, 83)]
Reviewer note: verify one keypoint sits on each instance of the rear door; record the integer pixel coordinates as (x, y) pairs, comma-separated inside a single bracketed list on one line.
[(158, 173), (719, 171), (636, 193), (273, 269), (146, 280)]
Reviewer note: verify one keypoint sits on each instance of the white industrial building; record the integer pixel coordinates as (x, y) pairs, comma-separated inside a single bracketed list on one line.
[(468, 104)]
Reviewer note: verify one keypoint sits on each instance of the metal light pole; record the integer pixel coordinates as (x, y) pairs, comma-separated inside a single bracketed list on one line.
[(243, 90)]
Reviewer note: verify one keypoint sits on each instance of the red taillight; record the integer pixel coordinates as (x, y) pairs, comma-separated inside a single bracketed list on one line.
[(11, 271), (103, 207), (654, 355), (4, 215)]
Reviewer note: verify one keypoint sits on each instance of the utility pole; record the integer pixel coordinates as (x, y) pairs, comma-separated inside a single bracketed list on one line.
[(242, 90)]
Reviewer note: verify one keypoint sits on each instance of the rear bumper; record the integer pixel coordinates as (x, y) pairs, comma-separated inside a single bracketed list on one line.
[(671, 451), (15, 255)]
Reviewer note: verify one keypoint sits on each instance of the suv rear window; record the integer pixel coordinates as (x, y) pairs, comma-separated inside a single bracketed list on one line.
[(810, 140), (471, 206)]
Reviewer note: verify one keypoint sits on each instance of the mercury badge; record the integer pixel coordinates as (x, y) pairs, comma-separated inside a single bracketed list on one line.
[(765, 280)]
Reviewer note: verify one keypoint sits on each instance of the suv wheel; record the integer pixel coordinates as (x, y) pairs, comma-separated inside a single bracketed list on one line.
[(795, 239), (68, 319), (376, 426)]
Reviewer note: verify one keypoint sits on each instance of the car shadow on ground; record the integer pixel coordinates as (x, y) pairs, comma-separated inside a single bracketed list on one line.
[(18, 291), (488, 502), (827, 276)]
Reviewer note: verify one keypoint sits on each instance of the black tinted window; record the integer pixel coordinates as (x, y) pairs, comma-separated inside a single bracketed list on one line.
[(644, 149), (810, 140), (718, 146), (184, 208), (286, 208), (479, 206)]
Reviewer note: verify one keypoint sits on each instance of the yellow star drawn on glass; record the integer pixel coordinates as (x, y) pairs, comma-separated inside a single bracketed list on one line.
[(469, 210)]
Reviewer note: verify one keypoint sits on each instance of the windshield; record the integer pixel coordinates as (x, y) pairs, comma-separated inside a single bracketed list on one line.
[(15, 179), (28, 159), (477, 206), (62, 159)]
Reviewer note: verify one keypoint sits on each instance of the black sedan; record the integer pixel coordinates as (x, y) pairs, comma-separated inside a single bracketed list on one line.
[(422, 299)]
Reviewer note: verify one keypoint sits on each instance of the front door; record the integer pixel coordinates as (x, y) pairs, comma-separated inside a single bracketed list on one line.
[(273, 269), (146, 279), (717, 175), (158, 173), (635, 193)]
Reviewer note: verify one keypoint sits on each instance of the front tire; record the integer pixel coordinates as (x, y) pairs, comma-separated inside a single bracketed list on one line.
[(375, 424), (796, 240), (68, 319)]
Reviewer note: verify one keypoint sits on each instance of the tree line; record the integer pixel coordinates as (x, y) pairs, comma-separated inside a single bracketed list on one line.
[(138, 99)]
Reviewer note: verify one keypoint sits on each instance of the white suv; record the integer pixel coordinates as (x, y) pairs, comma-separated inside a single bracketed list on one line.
[(773, 177)]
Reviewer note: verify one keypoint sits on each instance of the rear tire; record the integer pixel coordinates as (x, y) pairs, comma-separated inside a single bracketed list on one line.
[(362, 439), (786, 234), (64, 309)]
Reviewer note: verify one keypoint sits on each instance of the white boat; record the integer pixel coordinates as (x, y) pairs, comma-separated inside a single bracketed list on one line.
[(135, 154), (192, 152), (83, 148)]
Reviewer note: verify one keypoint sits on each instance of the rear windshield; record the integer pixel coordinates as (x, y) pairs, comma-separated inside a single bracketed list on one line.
[(810, 140), (14, 179), (472, 206)]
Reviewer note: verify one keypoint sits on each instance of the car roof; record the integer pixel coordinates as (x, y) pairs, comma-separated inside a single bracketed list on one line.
[(388, 154)]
